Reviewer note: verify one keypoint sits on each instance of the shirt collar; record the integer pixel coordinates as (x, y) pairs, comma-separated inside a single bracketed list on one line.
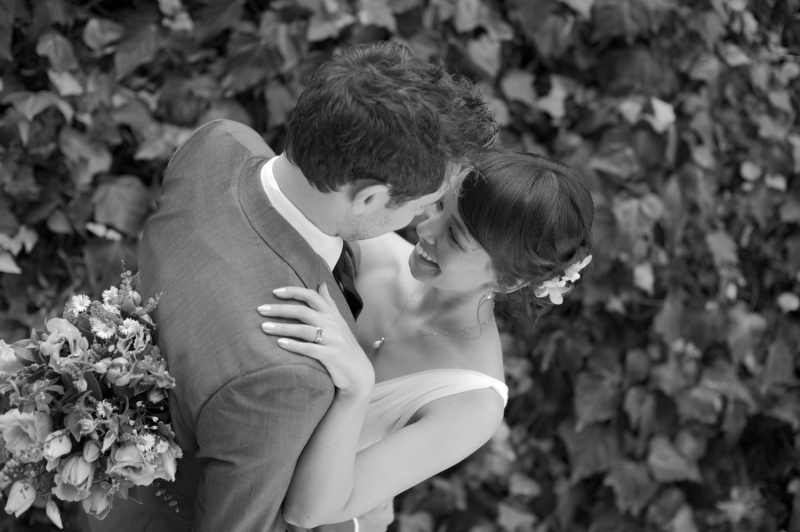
[(326, 246)]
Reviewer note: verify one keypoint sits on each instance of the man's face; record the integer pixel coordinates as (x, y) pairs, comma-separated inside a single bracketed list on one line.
[(382, 219)]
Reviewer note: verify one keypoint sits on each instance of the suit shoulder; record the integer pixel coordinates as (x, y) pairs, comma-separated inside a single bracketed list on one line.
[(219, 133)]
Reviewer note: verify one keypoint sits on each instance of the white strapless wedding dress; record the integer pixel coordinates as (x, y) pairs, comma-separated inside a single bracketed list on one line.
[(394, 402)]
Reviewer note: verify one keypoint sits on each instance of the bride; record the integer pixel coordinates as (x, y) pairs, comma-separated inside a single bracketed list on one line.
[(422, 387)]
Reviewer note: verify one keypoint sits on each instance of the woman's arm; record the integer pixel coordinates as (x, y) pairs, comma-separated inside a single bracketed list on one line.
[(332, 481)]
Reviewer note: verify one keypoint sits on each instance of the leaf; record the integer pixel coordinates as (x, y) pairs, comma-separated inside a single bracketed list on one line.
[(104, 259), (484, 52), (322, 26), (632, 484), (137, 50), (280, 101), (787, 410), (691, 445), (669, 376), (788, 302), (616, 159), (65, 83), (744, 330), (30, 104), (553, 103), (511, 519), (635, 69), (517, 85), (628, 18), (99, 33), (668, 464), (707, 68), (593, 450), (524, 486), (581, 7), (469, 15), (643, 277), (85, 158), (7, 263), (723, 250), (662, 117), (699, 404), (596, 400), (733, 55), (779, 368), (668, 322), (58, 50), (122, 203), (6, 28), (377, 13), (58, 223), (25, 238), (721, 377)]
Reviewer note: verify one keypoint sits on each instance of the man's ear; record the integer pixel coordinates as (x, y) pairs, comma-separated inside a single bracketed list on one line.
[(368, 196)]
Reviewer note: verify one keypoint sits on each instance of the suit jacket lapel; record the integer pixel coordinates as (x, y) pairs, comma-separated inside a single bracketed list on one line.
[(274, 230)]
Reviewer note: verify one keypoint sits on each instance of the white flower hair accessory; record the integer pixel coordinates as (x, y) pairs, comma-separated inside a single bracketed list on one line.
[(556, 287)]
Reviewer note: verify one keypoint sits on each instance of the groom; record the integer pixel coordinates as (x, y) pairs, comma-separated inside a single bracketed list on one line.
[(375, 137)]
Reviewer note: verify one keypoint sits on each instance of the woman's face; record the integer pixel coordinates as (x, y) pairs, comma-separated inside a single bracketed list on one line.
[(446, 256)]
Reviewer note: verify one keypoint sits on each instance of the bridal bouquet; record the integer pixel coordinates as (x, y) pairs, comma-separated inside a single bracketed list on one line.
[(83, 407)]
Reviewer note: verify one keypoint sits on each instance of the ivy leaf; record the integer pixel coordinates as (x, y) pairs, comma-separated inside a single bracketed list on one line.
[(778, 371), (7, 263), (632, 484), (553, 103), (596, 399), (616, 159), (280, 101), (99, 33), (30, 104), (517, 85), (512, 519), (377, 13), (662, 117), (581, 7), (723, 249), (6, 28), (635, 69), (744, 330), (643, 277), (136, 50), (628, 18), (484, 52), (85, 158), (668, 464), (122, 203), (469, 15), (668, 322), (58, 50), (593, 450), (322, 26), (721, 377), (65, 83), (787, 410), (699, 404), (104, 259)]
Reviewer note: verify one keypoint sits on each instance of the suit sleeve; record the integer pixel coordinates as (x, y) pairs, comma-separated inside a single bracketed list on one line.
[(250, 435)]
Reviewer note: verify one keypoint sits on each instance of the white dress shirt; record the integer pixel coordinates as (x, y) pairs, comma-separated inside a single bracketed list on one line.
[(326, 246)]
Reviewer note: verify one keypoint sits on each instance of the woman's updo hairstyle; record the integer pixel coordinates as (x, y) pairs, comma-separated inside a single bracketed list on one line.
[(533, 216)]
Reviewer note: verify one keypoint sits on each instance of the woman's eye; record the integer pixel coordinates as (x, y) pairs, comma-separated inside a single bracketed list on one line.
[(453, 240)]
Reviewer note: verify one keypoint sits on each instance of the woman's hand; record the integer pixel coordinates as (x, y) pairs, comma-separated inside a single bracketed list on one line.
[(324, 336)]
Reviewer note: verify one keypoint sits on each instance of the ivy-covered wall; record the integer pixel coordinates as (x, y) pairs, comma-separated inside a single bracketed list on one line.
[(664, 396)]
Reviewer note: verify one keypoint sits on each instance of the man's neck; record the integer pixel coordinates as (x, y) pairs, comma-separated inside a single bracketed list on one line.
[(318, 207)]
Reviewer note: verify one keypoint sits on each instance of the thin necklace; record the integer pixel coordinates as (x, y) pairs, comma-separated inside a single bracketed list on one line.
[(376, 345)]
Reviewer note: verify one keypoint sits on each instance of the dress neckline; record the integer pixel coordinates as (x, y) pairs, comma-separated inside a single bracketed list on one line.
[(418, 373)]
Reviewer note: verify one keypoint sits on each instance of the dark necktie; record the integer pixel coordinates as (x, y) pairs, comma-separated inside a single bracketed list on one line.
[(344, 273)]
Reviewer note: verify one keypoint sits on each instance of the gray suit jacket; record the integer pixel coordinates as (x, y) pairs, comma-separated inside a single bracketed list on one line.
[(243, 408)]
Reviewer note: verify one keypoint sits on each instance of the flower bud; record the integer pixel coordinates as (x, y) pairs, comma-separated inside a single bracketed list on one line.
[(86, 425), (99, 368), (123, 379), (91, 451), (77, 471), (20, 498), (57, 444), (137, 299), (53, 513), (120, 361), (81, 385)]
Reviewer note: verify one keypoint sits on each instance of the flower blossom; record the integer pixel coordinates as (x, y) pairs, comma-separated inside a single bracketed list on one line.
[(103, 330), (57, 444), (80, 303), (8, 360), (74, 478), (110, 295), (572, 273), (555, 289), (25, 432), (130, 327), (98, 503)]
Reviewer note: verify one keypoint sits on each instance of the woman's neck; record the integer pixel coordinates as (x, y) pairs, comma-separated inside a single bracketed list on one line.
[(449, 310)]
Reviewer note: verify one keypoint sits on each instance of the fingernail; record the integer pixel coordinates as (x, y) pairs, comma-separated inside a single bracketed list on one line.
[(283, 342), (268, 326), (278, 290), (264, 308)]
